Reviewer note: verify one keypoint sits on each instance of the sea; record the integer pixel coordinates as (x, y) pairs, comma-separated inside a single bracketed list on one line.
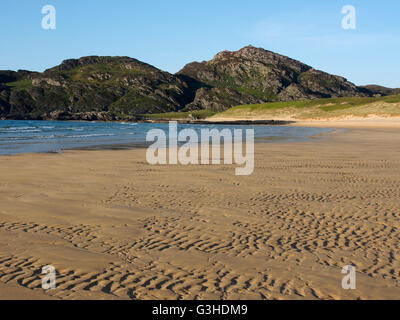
[(23, 136)]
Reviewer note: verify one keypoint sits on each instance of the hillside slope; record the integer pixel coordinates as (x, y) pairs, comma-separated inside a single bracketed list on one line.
[(316, 109), (254, 75)]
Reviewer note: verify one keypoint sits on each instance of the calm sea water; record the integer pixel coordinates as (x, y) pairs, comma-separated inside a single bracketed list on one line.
[(54, 136)]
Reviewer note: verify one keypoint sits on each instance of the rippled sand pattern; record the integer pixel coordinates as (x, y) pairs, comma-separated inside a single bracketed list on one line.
[(117, 228)]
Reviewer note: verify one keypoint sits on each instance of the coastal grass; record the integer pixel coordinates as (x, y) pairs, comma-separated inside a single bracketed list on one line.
[(188, 115), (319, 108)]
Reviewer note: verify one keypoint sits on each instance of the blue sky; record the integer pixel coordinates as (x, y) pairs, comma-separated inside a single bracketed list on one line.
[(169, 34)]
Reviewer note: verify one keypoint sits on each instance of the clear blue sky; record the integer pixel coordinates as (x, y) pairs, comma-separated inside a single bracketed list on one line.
[(169, 34)]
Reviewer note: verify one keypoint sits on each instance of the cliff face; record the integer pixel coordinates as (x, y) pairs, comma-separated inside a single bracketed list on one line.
[(254, 75), (107, 88)]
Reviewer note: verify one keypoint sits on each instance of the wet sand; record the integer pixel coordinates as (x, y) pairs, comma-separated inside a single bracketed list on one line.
[(115, 227)]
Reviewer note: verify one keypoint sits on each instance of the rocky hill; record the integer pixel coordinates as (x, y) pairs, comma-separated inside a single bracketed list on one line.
[(91, 88), (379, 90), (108, 88), (254, 75)]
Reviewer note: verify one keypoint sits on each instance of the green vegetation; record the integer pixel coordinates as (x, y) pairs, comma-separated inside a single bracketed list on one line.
[(20, 85), (99, 72), (320, 108), (134, 102), (260, 94), (332, 102), (200, 114), (167, 116)]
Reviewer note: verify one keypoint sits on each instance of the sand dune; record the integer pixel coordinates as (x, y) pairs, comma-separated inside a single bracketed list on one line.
[(117, 228)]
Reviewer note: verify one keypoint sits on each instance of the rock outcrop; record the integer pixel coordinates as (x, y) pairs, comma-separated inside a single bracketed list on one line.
[(379, 90)]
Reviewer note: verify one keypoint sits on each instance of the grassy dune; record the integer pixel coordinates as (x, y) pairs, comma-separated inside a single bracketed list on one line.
[(318, 109)]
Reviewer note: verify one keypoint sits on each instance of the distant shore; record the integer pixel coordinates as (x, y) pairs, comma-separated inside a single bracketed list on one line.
[(166, 120), (348, 122)]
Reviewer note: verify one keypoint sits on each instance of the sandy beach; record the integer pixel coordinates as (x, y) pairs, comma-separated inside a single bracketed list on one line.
[(115, 227), (343, 122)]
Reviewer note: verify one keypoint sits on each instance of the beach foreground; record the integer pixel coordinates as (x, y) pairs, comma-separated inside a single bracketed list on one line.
[(115, 227)]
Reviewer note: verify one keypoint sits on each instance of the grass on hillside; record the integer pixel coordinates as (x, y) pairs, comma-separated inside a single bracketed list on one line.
[(82, 73), (200, 114), (21, 84), (320, 108)]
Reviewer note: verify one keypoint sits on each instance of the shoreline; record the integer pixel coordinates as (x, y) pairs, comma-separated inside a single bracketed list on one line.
[(179, 121), (388, 123), (348, 122), (120, 141)]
